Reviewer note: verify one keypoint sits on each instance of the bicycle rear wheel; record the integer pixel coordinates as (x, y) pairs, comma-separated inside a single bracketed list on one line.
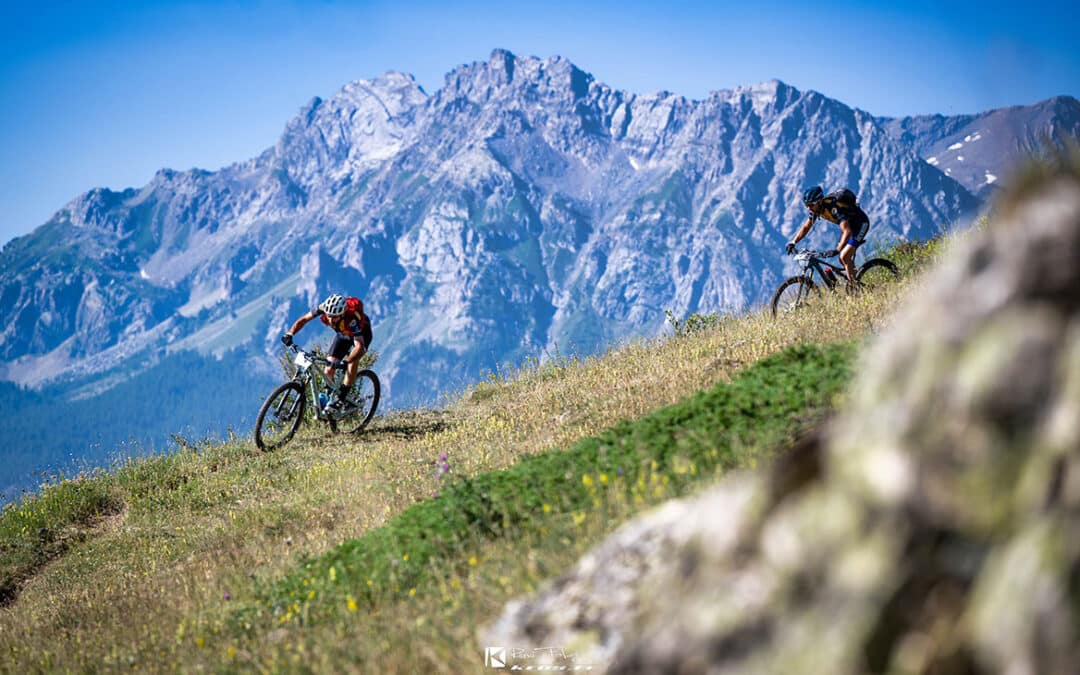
[(365, 396), (793, 294), (280, 416), (876, 274)]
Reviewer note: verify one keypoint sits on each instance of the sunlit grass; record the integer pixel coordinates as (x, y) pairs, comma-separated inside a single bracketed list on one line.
[(168, 547)]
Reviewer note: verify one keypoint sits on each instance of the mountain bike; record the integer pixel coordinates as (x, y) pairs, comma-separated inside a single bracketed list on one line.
[(797, 290), (287, 406)]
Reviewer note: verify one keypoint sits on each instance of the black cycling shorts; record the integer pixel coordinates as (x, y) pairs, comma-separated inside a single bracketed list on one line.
[(860, 225), (343, 345)]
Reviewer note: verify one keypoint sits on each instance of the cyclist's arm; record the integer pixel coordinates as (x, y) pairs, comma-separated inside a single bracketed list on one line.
[(358, 350), (301, 322), (361, 341), (803, 230)]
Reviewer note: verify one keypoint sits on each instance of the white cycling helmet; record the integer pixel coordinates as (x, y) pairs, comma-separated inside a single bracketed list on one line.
[(334, 305)]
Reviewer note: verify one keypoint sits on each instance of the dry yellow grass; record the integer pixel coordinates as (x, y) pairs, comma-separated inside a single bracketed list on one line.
[(202, 528)]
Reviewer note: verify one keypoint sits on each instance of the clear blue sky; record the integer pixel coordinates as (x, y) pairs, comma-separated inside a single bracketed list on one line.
[(105, 93)]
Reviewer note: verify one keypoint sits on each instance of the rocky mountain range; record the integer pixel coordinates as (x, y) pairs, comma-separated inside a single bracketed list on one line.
[(979, 150), (525, 208)]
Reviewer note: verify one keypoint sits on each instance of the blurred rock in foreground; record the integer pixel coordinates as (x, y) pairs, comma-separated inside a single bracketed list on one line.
[(935, 527)]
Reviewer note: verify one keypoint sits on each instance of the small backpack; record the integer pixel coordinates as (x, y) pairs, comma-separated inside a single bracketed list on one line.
[(354, 305), (844, 198)]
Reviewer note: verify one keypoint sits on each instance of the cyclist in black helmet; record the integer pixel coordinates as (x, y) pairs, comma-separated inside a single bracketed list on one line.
[(837, 207)]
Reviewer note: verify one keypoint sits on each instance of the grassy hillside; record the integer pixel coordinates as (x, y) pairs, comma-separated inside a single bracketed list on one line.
[(385, 551), (143, 413)]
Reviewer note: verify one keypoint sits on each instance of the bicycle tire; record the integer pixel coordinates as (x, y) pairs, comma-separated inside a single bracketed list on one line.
[(800, 296), (290, 423), (867, 269), (368, 389)]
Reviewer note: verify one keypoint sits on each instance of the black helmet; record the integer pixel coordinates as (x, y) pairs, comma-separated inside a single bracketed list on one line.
[(812, 195)]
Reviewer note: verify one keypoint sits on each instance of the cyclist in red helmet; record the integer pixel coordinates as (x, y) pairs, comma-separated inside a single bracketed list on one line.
[(353, 327), (841, 208)]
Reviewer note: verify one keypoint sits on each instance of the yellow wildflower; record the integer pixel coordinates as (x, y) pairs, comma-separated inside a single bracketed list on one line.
[(473, 562), (350, 602)]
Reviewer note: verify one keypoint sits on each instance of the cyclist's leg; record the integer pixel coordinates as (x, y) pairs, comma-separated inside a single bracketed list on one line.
[(354, 367), (350, 374), (338, 350), (847, 258), (847, 255)]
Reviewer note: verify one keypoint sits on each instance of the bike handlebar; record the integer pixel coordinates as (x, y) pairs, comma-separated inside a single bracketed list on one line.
[(312, 356), (810, 253)]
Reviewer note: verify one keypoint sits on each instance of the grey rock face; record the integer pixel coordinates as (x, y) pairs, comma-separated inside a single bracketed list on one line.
[(522, 208), (981, 151), (939, 528)]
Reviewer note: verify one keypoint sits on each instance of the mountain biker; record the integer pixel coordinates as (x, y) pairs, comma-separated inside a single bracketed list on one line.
[(837, 207), (353, 327)]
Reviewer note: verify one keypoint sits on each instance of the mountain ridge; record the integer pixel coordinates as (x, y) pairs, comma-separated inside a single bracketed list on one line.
[(522, 188), (979, 149)]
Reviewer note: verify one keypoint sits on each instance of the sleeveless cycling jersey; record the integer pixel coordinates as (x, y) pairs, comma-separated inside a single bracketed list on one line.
[(834, 212)]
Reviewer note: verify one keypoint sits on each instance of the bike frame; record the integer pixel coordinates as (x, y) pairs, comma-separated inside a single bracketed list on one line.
[(812, 262), (310, 376)]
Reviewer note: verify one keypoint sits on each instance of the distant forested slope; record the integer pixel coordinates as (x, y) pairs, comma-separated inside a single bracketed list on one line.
[(42, 431)]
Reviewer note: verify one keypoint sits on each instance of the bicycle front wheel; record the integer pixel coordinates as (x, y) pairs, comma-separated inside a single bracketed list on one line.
[(792, 294), (877, 273), (280, 416), (365, 398)]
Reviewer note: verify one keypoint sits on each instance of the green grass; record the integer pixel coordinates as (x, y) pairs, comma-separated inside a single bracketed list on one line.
[(912, 257), (37, 530), (768, 402)]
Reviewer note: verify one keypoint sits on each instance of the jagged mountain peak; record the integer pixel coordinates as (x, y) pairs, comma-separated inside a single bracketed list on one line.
[(774, 88), (979, 150), (395, 91), (505, 75), (364, 123), (522, 205)]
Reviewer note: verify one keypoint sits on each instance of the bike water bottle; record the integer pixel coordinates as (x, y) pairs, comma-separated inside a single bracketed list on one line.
[(830, 276), (323, 399)]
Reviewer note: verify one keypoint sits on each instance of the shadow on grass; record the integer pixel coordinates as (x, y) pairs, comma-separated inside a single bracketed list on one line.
[(409, 425)]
